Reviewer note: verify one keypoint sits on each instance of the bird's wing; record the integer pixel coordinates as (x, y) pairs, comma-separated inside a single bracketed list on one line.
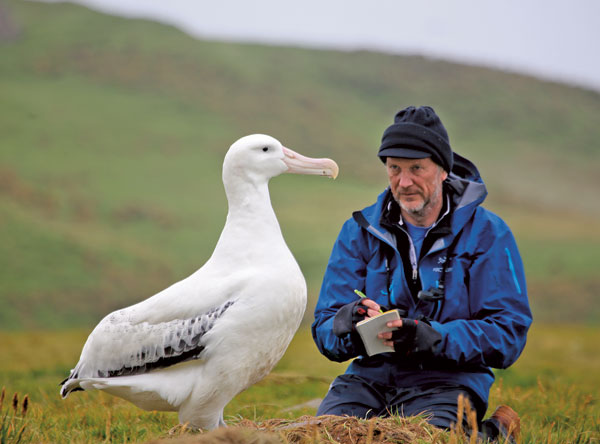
[(207, 288), (117, 347)]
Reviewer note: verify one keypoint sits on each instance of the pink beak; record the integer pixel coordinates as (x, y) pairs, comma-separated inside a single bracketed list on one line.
[(299, 164)]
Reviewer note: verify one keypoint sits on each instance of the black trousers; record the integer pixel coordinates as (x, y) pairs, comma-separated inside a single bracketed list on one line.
[(353, 395)]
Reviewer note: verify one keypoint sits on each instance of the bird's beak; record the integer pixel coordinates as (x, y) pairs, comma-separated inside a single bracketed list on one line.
[(299, 164)]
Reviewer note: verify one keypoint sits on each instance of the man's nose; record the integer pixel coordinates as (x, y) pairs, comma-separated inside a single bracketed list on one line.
[(404, 181)]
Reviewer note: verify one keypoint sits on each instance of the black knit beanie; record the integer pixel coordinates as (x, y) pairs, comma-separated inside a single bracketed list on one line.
[(415, 134)]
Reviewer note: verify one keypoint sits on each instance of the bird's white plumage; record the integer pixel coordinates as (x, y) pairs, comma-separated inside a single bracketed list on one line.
[(195, 345)]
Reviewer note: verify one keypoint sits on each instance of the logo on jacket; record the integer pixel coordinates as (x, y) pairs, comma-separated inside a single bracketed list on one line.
[(441, 261)]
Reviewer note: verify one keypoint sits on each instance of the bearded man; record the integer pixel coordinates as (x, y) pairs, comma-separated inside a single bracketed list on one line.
[(451, 269)]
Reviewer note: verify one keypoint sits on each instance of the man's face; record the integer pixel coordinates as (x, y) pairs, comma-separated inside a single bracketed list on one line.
[(416, 184)]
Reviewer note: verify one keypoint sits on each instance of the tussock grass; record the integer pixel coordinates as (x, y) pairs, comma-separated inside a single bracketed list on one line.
[(322, 429)]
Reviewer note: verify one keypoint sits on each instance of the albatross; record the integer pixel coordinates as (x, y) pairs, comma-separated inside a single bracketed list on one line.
[(195, 345)]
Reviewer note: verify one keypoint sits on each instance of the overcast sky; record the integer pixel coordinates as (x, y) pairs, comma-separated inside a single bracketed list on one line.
[(552, 39)]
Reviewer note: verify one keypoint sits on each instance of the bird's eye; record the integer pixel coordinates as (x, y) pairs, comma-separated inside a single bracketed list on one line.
[(265, 149)]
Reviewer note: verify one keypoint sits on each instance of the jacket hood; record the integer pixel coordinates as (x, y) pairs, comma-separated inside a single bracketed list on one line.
[(464, 186)]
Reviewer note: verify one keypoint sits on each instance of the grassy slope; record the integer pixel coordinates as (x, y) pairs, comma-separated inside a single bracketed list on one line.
[(113, 133)]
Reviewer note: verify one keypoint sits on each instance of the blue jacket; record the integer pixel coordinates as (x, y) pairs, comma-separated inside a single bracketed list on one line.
[(485, 315)]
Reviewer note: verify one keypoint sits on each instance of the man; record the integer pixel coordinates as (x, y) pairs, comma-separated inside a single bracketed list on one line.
[(450, 267)]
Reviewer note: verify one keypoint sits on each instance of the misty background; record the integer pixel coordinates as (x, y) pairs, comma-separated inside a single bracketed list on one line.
[(553, 40)]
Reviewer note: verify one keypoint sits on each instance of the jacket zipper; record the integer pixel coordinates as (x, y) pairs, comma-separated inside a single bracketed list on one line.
[(413, 254)]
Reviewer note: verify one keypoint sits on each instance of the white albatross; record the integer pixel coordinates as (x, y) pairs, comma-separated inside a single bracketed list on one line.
[(195, 345)]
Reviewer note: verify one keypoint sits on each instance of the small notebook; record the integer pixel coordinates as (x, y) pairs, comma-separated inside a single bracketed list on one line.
[(369, 328)]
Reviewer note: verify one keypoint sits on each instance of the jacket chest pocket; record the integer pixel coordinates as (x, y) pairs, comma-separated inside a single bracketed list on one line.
[(457, 303)]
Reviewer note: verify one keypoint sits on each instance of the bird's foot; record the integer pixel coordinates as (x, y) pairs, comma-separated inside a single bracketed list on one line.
[(180, 429)]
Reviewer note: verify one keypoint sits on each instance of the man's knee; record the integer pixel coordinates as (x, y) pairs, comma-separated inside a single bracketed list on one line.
[(353, 396), (345, 409)]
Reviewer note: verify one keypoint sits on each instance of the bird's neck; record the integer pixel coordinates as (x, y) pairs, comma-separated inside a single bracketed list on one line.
[(250, 202), (250, 221)]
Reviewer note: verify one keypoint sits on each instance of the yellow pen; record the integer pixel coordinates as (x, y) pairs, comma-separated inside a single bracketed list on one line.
[(362, 295)]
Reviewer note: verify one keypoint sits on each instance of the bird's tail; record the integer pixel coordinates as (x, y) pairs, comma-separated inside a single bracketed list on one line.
[(69, 385)]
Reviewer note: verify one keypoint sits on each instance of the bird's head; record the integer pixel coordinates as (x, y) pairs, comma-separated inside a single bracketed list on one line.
[(259, 156)]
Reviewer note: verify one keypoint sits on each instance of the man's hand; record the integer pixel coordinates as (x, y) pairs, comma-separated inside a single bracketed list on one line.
[(387, 335), (349, 315), (373, 308), (411, 336)]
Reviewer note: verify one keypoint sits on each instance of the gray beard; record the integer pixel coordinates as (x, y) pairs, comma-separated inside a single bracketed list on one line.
[(415, 211), (420, 211)]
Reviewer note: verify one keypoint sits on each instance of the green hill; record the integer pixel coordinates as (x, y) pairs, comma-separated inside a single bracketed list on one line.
[(113, 131)]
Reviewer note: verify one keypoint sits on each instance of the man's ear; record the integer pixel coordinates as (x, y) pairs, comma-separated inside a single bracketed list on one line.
[(444, 174)]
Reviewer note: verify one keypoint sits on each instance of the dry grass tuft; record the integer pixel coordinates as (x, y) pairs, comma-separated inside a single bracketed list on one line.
[(320, 429), (225, 435), (341, 429)]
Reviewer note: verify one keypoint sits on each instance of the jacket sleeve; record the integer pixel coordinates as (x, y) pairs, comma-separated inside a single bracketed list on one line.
[(494, 332), (345, 272)]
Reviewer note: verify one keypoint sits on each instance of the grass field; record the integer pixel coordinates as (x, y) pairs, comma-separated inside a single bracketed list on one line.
[(554, 387)]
